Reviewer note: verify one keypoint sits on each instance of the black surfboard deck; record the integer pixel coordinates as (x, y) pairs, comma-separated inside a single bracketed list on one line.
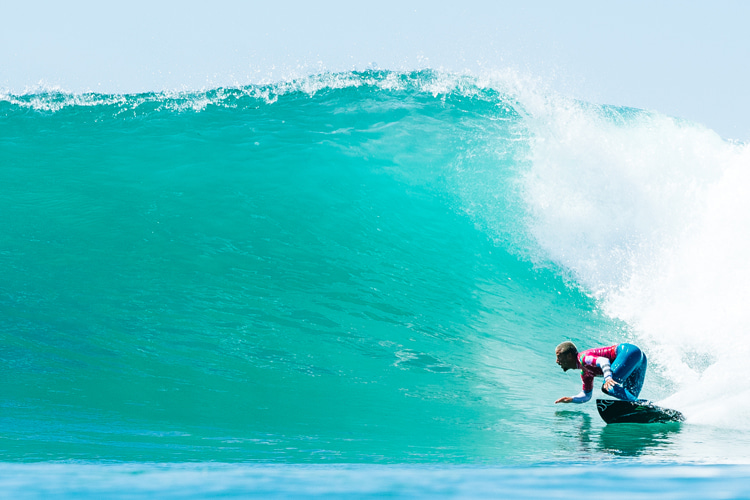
[(614, 411)]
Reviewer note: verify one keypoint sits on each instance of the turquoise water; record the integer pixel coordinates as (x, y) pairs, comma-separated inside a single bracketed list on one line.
[(366, 268)]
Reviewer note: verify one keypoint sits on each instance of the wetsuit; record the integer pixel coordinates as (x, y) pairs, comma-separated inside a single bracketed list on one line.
[(625, 363)]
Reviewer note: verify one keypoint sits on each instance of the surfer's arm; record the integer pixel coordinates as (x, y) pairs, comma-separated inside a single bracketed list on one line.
[(578, 398), (581, 397), (604, 364), (587, 377)]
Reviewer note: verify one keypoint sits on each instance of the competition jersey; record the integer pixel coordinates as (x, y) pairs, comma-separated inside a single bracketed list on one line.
[(587, 364)]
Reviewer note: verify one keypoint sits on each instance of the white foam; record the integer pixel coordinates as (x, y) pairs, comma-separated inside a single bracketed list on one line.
[(652, 216)]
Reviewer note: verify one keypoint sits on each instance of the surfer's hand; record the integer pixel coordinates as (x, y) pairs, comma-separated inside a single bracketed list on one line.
[(565, 399), (609, 383)]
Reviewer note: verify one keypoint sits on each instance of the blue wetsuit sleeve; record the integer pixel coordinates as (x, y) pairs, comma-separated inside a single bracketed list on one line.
[(582, 397)]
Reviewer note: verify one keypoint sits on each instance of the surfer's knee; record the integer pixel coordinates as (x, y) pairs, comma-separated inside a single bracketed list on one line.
[(619, 392)]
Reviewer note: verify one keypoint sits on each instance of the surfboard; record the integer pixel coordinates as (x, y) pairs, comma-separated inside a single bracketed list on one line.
[(614, 411)]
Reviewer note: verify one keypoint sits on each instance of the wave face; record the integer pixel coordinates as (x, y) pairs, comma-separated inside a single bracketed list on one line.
[(365, 267)]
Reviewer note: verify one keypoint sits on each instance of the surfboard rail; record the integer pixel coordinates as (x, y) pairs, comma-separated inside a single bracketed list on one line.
[(614, 411)]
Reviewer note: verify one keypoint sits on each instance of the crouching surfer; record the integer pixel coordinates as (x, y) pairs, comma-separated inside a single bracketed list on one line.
[(623, 367)]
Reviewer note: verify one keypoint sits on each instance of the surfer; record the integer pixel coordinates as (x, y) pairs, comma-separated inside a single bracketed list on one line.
[(623, 367)]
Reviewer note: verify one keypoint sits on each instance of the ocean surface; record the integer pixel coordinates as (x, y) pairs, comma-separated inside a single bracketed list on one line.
[(364, 275)]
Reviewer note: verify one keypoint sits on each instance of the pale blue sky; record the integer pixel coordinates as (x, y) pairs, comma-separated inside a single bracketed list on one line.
[(686, 59)]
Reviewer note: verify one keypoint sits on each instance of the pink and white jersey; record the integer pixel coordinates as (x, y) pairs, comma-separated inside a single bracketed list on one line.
[(589, 368)]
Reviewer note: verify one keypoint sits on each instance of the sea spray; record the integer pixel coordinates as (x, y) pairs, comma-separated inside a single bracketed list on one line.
[(649, 215)]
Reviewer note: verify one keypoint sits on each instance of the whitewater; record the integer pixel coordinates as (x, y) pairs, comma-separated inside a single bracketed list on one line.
[(363, 268)]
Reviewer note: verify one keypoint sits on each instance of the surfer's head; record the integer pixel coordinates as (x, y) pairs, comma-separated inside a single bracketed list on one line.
[(566, 355)]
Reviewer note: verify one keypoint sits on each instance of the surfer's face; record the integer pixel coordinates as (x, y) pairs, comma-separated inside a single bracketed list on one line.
[(566, 361)]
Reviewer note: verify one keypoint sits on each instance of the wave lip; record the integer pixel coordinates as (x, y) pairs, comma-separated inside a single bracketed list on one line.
[(435, 83)]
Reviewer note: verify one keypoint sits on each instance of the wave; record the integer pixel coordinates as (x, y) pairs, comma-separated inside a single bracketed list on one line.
[(357, 266)]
